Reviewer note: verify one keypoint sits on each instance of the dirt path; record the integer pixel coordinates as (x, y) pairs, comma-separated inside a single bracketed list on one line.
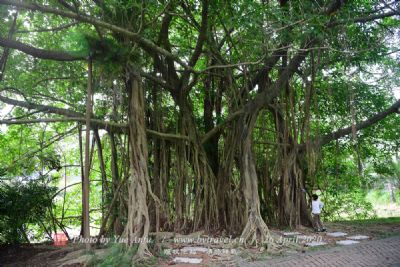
[(383, 252), (372, 251), (32, 255)]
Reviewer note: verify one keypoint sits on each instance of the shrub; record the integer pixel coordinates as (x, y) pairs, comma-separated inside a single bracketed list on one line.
[(348, 206), (22, 203)]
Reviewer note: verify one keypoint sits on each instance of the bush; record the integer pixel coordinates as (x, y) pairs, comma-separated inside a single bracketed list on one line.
[(22, 203), (348, 206)]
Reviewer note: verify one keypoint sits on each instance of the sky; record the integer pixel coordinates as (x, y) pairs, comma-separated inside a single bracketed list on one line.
[(396, 92)]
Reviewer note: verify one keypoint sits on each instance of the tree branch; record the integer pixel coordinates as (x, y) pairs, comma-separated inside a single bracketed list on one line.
[(143, 42), (323, 140), (220, 126), (202, 35), (55, 29), (71, 116), (39, 53), (278, 53), (6, 51), (199, 44), (364, 19), (264, 97), (169, 71), (39, 107)]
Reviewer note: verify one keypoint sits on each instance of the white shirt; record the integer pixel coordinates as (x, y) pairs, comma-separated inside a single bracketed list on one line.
[(317, 206)]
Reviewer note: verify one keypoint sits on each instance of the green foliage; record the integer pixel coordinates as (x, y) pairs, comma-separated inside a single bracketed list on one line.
[(23, 152), (347, 206), (240, 31), (381, 197), (108, 53), (23, 203), (77, 43)]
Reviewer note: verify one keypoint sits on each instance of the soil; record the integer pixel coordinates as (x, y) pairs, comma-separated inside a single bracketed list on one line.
[(72, 255), (33, 255)]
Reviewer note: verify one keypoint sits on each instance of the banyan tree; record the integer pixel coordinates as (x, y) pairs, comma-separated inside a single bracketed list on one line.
[(201, 115)]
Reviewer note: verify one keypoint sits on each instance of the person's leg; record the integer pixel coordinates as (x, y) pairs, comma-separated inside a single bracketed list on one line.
[(320, 223), (316, 221)]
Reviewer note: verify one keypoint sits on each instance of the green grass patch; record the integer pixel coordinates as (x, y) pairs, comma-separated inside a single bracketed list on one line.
[(118, 255), (389, 220)]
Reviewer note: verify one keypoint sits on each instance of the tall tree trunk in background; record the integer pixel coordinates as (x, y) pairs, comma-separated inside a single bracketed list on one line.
[(205, 213), (104, 185), (268, 183), (161, 178), (230, 208), (392, 192), (82, 171), (86, 185), (117, 177), (292, 203), (304, 164), (160, 173), (138, 223), (114, 176), (211, 146)]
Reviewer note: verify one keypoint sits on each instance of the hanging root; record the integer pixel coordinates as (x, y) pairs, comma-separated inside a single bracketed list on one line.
[(138, 224)]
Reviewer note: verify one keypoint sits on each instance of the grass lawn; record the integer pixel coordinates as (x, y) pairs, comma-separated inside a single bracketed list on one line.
[(366, 222), (375, 228)]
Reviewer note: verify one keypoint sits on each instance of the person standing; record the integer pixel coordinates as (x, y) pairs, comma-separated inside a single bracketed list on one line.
[(317, 206)]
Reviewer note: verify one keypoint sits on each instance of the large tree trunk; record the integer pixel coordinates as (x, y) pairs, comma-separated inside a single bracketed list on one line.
[(255, 229), (138, 224)]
